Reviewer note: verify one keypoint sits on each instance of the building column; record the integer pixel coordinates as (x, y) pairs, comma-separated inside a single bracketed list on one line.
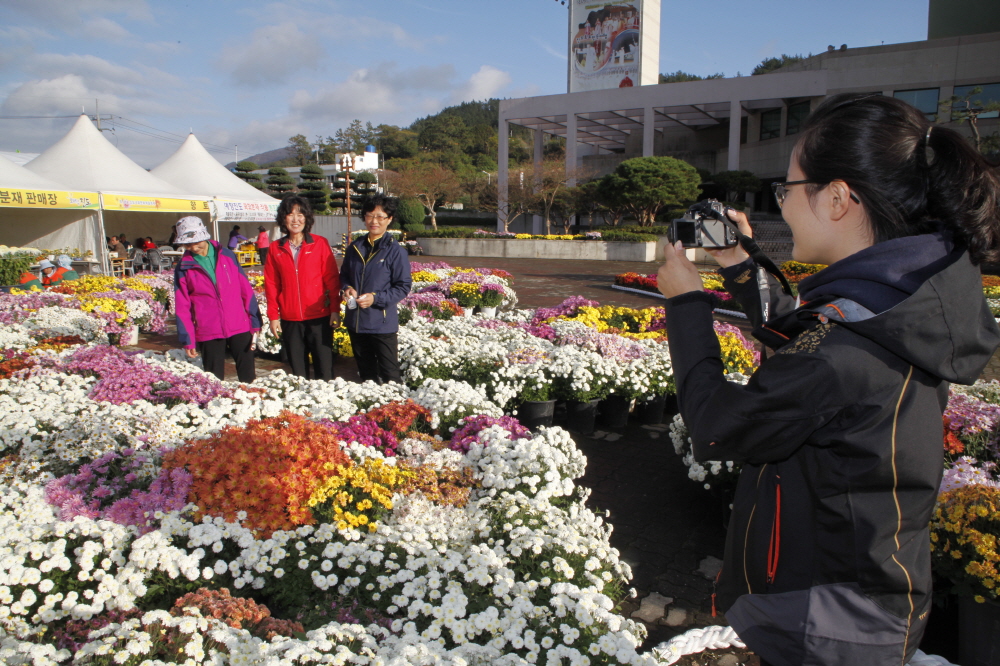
[(735, 121), (648, 131), (571, 147), (503, 167), (537, 222)]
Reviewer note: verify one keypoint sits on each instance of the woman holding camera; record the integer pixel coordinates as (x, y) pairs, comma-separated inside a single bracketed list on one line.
[(303, 290), (828, 553)]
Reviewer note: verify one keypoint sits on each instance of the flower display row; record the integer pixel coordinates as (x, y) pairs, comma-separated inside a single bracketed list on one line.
[(92, 307), (711, 282), (179, 519)]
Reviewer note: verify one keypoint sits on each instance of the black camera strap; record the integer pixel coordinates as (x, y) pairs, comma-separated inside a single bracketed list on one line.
[(750, 246)]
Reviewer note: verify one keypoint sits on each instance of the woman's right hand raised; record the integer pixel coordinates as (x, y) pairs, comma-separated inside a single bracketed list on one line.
[(731, 256)]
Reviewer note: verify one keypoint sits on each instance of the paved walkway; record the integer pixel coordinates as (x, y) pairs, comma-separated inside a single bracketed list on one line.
[(665, 525)]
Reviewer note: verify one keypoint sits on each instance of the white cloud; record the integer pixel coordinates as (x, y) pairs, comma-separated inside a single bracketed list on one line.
[(106, 30), (273, 53), (70, 13), (484, 84)]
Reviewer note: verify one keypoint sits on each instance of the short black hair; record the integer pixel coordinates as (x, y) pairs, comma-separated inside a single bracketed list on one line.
[(388, 204), (287, 205)]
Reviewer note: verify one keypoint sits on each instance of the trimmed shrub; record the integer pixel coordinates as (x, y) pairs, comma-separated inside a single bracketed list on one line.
[(410, 212)]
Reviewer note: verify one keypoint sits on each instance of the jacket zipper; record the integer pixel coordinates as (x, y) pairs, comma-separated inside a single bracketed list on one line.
[(746, 537), (774, 547)]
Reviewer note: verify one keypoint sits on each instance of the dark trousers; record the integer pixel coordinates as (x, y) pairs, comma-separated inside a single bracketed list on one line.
[(312, 336), (213, 356), (377, 355), (262, 253)]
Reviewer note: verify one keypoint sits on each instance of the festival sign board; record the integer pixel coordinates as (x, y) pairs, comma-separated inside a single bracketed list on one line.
[(153, 204), (246, 211), (35, 198), (613, 45)]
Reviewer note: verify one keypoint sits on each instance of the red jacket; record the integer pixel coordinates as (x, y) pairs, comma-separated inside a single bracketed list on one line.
[(305, 289)]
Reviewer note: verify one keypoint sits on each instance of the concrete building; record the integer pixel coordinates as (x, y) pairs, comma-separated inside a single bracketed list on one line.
[(366, 161), (750, 122)]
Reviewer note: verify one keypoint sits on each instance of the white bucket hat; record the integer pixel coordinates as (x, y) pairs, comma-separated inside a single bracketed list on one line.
[(191, 229), (45, 263)]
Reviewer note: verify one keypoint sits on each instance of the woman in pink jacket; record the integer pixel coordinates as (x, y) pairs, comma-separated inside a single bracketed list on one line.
[(215, 304)]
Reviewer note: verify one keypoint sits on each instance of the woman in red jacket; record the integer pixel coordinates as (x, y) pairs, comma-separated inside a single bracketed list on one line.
[(302, 286)]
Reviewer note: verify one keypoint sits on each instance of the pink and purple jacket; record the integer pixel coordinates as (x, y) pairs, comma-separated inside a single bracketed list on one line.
[(207, 310)]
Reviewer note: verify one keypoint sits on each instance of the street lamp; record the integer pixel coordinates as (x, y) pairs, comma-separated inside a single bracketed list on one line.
[(489, 177), (347, 163)]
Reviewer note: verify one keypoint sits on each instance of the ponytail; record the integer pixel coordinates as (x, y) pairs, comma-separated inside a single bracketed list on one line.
[(964, 190), (912, 177)]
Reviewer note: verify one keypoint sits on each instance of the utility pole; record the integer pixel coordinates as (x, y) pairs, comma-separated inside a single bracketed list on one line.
[(347, 163)]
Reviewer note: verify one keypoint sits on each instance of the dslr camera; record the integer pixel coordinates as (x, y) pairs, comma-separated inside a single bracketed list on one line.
[(705, 225)]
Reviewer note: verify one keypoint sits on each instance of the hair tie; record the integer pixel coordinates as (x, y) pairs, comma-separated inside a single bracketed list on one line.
[(927, 140)]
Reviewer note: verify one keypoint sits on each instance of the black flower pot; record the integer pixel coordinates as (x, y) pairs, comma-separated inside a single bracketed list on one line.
[(614, 410), (581, 415), (650, 411), (535, 413), (978, 628)]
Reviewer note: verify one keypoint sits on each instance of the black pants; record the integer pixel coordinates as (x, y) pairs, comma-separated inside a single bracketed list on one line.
[(312, 336), (213, 356), (262, 253), (377, 355)]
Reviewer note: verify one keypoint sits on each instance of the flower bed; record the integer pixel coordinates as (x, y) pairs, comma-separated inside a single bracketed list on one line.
[(711, 281), (294, 520)]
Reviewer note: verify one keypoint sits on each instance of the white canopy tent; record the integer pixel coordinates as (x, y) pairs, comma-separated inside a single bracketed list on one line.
[(38, 212), (132, 201), (192, 169)]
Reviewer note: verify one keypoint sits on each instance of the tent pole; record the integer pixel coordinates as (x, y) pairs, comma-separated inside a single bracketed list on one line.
[(101, 244), (215, 218)]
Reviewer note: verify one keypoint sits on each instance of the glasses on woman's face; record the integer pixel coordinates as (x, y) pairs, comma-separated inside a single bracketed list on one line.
[(376, 218), (781, 189)]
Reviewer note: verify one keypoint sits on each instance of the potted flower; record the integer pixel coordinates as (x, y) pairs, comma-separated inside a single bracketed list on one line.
[(467, 296), (964, 533), (490, 298)]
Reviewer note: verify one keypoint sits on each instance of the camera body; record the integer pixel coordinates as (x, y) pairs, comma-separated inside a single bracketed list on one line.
[(702, 226)]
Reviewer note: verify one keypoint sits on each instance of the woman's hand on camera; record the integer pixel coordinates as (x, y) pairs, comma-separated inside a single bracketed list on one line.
[(677, 275), (734, 255), (366, 300), (348, 292)]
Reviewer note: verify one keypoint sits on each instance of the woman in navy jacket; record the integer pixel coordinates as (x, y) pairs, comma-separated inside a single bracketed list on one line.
[(376, 273)]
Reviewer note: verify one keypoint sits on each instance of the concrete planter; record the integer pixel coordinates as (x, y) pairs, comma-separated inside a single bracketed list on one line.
[(538, 249)]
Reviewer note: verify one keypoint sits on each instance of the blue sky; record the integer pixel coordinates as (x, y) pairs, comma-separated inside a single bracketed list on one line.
[(253, 73)]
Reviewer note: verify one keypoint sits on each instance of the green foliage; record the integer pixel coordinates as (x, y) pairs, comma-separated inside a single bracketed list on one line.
[(279, 181), (244, 171), (644, 185), (414, 229), (739, 182), (771, 64), (624, 236), (447, 232), (14, 264), (300, 149), (313, 187), (410, 212), (680, 77)]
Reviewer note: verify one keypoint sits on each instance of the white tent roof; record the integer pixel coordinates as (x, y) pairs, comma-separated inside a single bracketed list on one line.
[(17, 177), (85, 160), (193, 170), (17, 157)]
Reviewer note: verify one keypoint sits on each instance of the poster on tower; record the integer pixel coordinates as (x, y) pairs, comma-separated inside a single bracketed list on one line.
[(608, 44)]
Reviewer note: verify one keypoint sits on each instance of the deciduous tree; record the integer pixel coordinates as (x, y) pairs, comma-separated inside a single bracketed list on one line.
[(427, 182), (648, 184)]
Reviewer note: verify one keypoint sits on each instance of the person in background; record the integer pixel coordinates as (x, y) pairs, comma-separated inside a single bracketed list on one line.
[(124, 241), (235, 238), (62, 271), (29, 280), (828, 552), (303, 290), (215, 304), (263, 243), (148, 244), (118, 248), (376, 274), (173, 236)]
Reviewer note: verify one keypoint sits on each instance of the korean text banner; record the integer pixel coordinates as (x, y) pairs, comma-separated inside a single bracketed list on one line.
[(154, 204), (11, 198), (246, 211), (604, 44)]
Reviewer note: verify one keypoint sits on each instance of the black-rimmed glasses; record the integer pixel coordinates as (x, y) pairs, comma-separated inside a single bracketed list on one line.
[(781, 190)]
